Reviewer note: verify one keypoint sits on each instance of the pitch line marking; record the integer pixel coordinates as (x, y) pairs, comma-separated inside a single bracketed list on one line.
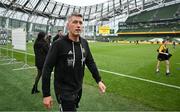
[(137, 78), (123, 75), (17, 51)]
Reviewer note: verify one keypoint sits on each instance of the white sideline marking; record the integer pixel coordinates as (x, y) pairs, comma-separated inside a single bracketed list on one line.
[(146, 80), (123, 75), (24, 68), (17, 51)]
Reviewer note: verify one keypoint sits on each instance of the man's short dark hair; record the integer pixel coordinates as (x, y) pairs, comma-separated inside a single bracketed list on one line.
[(75, 14), (164, 41)]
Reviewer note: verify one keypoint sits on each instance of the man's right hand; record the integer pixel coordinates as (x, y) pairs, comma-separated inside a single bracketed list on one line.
[(48, 102)]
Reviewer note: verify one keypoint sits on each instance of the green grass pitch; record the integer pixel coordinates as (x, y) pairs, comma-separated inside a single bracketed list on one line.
[(123, 92)]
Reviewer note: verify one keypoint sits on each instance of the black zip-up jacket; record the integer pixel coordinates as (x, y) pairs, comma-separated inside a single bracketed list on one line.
[(41, 48), (69, 59)]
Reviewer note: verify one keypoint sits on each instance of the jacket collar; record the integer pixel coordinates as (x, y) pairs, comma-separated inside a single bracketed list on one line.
[(67, 38)]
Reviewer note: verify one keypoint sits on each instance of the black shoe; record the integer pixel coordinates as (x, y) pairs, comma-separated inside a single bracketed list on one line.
[(167, 74), (34, 90)]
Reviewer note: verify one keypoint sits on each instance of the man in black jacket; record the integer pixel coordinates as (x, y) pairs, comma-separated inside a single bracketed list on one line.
[(69, 55), (58, 36)]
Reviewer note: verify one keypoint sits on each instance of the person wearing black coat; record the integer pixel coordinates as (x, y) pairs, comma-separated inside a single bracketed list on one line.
[(68, 56), (48, 39), (58, 36), (41, 48)]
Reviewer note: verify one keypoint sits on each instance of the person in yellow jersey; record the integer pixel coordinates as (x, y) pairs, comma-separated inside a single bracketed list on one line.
[(163, 55)]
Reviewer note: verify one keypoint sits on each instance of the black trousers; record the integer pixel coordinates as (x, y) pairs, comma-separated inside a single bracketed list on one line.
[(38, 76), (68, 106), (69, 102)]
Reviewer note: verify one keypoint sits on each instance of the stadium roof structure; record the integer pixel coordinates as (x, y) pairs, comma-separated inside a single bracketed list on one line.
[(55, 13), (81, 2)]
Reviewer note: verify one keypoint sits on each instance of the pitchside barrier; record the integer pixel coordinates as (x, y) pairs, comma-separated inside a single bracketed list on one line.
[(4, 43), (18, 43)]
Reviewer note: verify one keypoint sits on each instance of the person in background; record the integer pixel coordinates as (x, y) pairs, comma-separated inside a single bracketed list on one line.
[(69, 56), (40, 49), (174, 44), (59, 35), (48, 39), (137, 42), (163, 55)]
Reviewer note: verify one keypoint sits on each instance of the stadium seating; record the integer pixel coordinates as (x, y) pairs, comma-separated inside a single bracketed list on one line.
[(166, 12), (164, 19)]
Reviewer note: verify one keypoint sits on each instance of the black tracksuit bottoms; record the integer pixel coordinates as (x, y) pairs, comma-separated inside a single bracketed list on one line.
[(68, 106)]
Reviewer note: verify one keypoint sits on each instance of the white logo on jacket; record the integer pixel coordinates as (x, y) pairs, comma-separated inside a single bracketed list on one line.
[(70, 58)]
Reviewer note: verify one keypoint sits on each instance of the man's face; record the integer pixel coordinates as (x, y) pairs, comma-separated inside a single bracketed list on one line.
[(166, 42), (60, 33), (74, 25)]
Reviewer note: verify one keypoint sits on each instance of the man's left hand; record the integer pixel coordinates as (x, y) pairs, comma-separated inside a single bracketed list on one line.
[(102, 87)]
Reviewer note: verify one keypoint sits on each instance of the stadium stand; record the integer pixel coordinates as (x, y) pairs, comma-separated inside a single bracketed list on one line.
[(161, 21)]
